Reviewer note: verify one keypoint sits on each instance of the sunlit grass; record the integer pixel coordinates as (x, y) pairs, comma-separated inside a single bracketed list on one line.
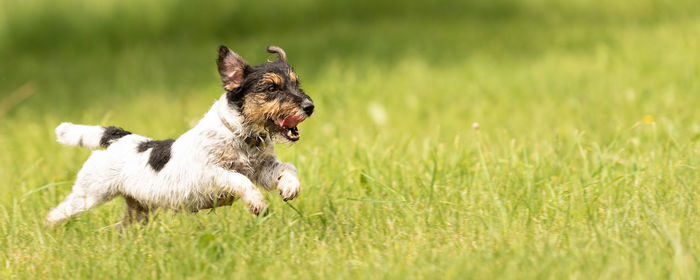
[(584, 165)]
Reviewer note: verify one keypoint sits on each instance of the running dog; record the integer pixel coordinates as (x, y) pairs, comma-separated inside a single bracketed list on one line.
[(222, 158)]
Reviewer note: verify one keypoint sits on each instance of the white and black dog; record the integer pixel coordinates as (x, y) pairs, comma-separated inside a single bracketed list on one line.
[(222, 158)]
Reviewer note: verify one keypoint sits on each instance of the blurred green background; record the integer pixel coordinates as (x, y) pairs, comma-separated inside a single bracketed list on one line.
[(584, 165), (96, 53)]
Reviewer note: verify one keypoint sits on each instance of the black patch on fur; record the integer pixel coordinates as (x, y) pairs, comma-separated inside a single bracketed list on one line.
[(111, 134), (160, 153)]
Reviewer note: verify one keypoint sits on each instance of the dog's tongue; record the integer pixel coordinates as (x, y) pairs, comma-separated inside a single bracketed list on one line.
[(291, 121)]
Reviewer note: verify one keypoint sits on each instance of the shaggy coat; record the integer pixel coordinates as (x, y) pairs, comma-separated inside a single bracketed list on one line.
[(226, 156)]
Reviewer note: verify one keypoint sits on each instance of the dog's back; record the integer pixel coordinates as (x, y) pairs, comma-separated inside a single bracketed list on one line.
[(131, 163)]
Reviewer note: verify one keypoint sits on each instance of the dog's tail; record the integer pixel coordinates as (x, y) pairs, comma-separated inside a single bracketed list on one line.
[(90, 136)]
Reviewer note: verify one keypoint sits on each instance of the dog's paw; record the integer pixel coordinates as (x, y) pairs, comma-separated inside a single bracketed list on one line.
[(289, 187), (259, 209), (54, 219), (257, 204)]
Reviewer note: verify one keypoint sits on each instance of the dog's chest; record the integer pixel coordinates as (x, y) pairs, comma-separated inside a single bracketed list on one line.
[(244, 157)]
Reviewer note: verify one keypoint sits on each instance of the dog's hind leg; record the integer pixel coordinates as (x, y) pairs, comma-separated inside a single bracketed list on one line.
[(77, 202), (135, 212)]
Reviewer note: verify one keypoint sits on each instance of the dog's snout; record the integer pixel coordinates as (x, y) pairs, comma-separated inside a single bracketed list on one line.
[(308, 107)]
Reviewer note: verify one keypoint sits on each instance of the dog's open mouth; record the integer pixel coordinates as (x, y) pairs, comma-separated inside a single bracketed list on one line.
[(287, 126)]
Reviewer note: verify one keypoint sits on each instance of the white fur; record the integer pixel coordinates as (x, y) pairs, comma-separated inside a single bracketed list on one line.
[(79, 135), (206, 162)]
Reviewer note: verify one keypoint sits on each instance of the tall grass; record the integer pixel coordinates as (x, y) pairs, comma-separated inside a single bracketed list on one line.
[(584, 165)]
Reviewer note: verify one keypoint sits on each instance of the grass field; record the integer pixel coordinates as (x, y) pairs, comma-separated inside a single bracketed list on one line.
[(584, 165)]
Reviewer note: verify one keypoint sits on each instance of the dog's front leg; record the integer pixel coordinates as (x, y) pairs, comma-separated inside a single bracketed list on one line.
[(280, 175), (239, 185), (287, 181)]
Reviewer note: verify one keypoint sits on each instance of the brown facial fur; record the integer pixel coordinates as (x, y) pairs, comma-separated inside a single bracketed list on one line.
[(292, 76), (257, 109), (272, 78)]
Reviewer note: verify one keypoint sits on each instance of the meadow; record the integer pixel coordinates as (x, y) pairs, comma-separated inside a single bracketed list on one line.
[(583, 165)]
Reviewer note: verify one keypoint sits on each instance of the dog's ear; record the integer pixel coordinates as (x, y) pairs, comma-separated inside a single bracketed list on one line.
[(231, 68)]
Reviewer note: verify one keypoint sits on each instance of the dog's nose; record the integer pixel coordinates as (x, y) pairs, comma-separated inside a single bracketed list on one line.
[(308, 107)]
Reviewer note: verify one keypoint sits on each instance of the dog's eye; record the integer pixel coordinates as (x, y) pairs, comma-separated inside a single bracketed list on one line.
[(272, 88)]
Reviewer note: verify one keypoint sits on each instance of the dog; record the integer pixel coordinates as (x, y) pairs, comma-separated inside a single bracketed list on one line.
[(225, 157)]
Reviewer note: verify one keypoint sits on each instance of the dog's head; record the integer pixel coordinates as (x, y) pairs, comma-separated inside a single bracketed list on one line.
[(268, 95)]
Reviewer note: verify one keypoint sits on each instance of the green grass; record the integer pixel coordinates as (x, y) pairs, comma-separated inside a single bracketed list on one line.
[(585, 164)]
